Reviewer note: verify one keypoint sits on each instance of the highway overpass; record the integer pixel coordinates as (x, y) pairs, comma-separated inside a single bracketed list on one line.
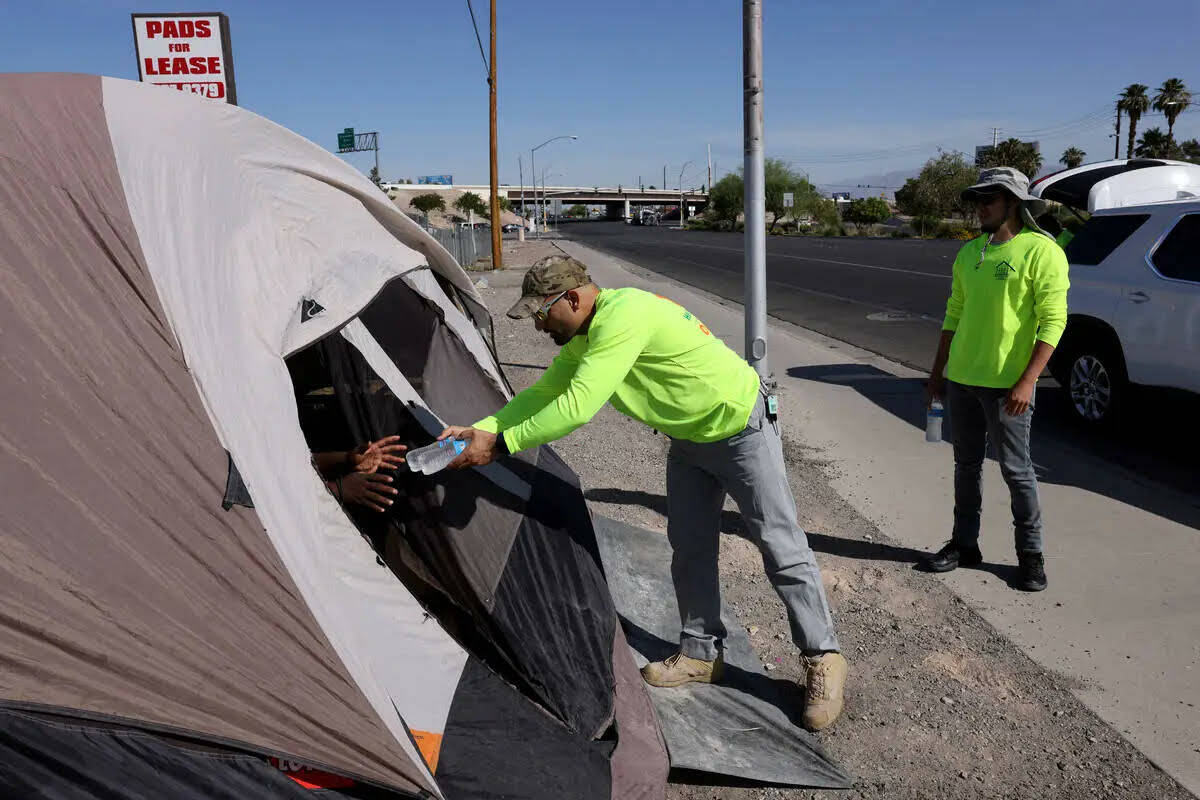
[(618, 201)]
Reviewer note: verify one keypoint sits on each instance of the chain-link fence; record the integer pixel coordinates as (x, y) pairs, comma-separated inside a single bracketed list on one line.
[(467, 245)]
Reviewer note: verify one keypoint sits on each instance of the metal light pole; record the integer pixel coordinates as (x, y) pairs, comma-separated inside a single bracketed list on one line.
[(494, 189), (681, 205), (533, 165), (754, 199)]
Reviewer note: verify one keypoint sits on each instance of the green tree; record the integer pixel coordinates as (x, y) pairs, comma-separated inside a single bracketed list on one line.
[(1014, 153), (725, 199), (1190, 151), (577, 210), (374, 175), (867, 211), (1134, 102), (937, 191), (778, 179), (505, 204), (1172, 98), (1153, 144), (471, 203), (1072, 157), (652, 187), (430, 201)]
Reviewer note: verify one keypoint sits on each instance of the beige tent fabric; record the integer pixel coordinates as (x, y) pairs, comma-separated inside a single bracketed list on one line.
[(125, 590)]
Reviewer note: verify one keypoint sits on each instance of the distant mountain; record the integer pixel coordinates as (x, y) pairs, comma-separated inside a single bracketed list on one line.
[(872, 185)]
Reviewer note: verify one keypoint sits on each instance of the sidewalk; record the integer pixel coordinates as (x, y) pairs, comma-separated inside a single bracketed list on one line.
[(940, 702)]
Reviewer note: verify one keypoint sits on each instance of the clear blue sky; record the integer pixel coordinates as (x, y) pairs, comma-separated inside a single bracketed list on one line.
[(646, 83)]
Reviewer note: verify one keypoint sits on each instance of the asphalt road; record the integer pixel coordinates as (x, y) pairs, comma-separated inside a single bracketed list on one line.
[(885, 295), (888, 296)]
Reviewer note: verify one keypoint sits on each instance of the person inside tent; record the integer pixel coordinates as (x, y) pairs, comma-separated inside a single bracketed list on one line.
[(655, 362), (354, 477)]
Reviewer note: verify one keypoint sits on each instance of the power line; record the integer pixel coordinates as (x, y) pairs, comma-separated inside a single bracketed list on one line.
[(479, 39), (1091, 120)]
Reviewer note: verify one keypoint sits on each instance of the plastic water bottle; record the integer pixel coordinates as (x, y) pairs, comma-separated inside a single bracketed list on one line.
[(933, 421), (434, 457)]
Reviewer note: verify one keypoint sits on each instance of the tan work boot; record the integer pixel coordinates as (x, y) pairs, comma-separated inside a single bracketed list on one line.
[(679, 669), (825, 681)]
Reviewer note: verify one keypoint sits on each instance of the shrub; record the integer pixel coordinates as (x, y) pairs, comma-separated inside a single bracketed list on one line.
[(431, 201), (925, 226), (956, 232), (901, 234)]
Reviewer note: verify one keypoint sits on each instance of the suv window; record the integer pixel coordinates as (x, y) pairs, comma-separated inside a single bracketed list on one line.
[(1100, 236), (1176, 256)]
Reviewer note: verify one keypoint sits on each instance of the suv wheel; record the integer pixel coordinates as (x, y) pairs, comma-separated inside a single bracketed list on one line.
[(1095, 382)]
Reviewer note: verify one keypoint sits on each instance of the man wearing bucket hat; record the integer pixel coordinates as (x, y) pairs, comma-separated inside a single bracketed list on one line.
[(1006, 312), (655, 362)]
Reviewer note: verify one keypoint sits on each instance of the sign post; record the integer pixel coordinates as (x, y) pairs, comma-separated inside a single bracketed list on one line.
[(351, 142), (788, 199), (188, 52)]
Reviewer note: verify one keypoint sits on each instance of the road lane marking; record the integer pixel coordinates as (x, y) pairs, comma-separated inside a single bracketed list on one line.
[(830, 295)]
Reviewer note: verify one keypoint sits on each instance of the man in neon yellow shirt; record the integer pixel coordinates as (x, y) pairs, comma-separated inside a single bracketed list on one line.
[(1006, 312), (655, 362)]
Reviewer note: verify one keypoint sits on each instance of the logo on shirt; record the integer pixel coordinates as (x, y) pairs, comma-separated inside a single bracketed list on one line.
[(1003, 270)]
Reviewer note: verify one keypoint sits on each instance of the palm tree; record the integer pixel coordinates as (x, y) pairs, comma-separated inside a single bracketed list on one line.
[(1014, 153), (1172, 98), (1189, 150), (1135, 103), (1072, 157), (1153, 144)]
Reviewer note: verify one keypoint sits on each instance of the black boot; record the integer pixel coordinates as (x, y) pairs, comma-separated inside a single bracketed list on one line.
[(952, 556), (1031, 572)]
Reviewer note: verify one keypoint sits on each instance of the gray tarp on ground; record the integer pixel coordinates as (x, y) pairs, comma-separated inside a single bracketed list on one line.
[(746, 726)]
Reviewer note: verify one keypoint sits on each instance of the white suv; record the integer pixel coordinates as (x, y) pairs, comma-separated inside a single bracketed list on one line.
[(1134, 304)]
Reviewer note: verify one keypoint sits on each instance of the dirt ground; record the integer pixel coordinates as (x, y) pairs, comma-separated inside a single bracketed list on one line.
[(939, 705)]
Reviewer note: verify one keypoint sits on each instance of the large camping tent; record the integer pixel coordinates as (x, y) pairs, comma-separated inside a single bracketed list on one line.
[(192, 299)]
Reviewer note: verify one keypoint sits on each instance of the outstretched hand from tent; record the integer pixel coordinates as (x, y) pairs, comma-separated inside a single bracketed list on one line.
[(481, 447), (368, 489), (385, 453)]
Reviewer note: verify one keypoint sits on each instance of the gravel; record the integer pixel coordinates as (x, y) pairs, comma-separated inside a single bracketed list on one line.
[(939, 704)]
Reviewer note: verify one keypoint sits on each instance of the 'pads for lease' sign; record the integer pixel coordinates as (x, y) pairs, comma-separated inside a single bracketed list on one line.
[(189, 52)]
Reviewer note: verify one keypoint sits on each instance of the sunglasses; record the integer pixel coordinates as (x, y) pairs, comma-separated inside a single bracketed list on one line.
[(986, 198), (540, 314)]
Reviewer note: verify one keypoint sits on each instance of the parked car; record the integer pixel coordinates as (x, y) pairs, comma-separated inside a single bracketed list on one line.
[(511, 227), (1134, 304)]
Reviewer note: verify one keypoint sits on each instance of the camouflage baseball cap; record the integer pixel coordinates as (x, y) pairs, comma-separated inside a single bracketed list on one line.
[(549, 276)]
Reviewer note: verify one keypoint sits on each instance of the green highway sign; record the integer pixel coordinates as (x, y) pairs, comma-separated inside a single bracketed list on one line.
[(346, 139)]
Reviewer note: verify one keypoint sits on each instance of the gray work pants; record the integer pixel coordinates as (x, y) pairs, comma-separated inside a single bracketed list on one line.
[(748, 466), (977, 415)]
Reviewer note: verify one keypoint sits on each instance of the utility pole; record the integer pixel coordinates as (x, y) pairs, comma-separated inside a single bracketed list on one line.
[(708, 186), (495, 169), (521, 172), (664, 183), (1117, 138), (995, 137), (754, 199)]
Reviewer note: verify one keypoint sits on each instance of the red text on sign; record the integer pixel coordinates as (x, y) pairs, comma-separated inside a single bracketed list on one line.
[(178, 29), (196, 65)]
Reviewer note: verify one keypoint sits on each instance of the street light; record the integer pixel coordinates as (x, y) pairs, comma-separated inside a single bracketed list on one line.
[(533, 165), (681, 205), (546, 173)]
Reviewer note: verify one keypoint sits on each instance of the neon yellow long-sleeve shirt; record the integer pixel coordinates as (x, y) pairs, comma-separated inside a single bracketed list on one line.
[(648, 356), (1002, 301)]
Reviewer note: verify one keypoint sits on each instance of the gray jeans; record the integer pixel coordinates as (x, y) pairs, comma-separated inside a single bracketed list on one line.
[(977, 415), (749, 466)]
